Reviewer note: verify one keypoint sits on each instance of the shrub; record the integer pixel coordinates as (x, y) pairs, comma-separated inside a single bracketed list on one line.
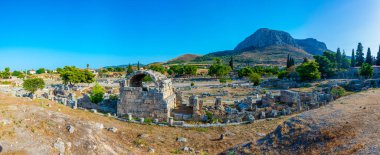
[(32, 85), (192, 84), (254, 78), (97, 94), (337, 91)]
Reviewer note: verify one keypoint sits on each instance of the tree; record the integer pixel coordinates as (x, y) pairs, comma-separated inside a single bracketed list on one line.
[(359, 55), (6, 74), (33, 84), (18, 74), (40, 71), (338, 58), (176, 70), (245, 72), (353, 62), (190, 70), (326, 67), (110, 69), (138, 65), (366, 70), (308, 71), (305, 60), (231, 63), (158, 68), (97, 94), (72, 75), (218, 69), (345, 63), (130, 69), (378, 58), (368, 58), (289, 62), (254, 78)]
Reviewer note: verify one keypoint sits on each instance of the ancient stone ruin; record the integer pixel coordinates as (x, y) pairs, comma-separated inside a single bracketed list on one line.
[(146, 101)]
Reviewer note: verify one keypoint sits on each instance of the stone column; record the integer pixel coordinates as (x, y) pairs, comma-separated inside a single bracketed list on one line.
[(129, 116), (218, 102), (141, 120), (75, 106), (170, 121)]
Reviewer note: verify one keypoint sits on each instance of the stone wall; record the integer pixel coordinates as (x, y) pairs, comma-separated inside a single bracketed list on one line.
[(154, 102)]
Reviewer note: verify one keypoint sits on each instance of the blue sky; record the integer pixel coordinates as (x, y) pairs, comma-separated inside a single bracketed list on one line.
[(50, 34)]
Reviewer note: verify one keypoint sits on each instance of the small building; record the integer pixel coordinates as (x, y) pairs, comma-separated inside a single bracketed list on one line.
[(32, 71), (144, 101)]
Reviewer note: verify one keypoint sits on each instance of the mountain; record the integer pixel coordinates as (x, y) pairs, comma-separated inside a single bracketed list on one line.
[(267, 46), (184, 58)]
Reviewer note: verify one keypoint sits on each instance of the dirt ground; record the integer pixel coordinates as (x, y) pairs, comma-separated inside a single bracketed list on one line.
[(32, 127), (349, 125)]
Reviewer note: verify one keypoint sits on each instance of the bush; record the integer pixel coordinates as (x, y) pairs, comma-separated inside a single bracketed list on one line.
[(113, 97), (254, 78), (308, 71), (97, 94), (337, 92), (192, 84), (223, 80), (283, 75), (366, 70), (32, 85)]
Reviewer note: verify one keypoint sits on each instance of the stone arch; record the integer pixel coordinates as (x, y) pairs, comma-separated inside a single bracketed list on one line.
[(135, 79)]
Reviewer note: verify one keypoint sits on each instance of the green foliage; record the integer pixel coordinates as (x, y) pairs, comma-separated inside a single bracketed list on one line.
[(283, 74), (353, 62), (40, 71), (176, 70), (289, 61), (337, 92), (32, 85), (18, 74), (158, 68), (308, 71), (72, 75), (368, 58), (326, 67), (6, 74), (192, 84), (147, 79), (359, 59), (97, 94), (130, 69), (219, 70), (231, 63), (110, 69), (366, 70), (113, 97), (378, 58), (119, 69), (254, 78), (271, 70), (190, 69), (223, 80)]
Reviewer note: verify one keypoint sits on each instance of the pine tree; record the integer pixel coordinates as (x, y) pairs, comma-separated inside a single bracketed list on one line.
[(368, 58), (359, 55), (338, 58), (353, 63), (378, 58), (232, 62), (129, 69)]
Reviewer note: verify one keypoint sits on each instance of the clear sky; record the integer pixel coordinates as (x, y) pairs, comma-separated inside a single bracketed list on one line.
[(55, 33)]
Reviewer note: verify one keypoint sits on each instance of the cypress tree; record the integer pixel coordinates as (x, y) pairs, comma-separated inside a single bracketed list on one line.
[(232, 62), (378, 58), (338, 58), (368, 58), (138, 65), (353, 63), (359, 55), (305, 60), (288, 61)]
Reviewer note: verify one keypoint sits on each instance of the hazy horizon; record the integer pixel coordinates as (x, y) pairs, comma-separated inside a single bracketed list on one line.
[(53, 34)]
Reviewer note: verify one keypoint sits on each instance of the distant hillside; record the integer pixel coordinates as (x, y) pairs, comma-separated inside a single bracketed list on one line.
[(184, 58), (267, 46)]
